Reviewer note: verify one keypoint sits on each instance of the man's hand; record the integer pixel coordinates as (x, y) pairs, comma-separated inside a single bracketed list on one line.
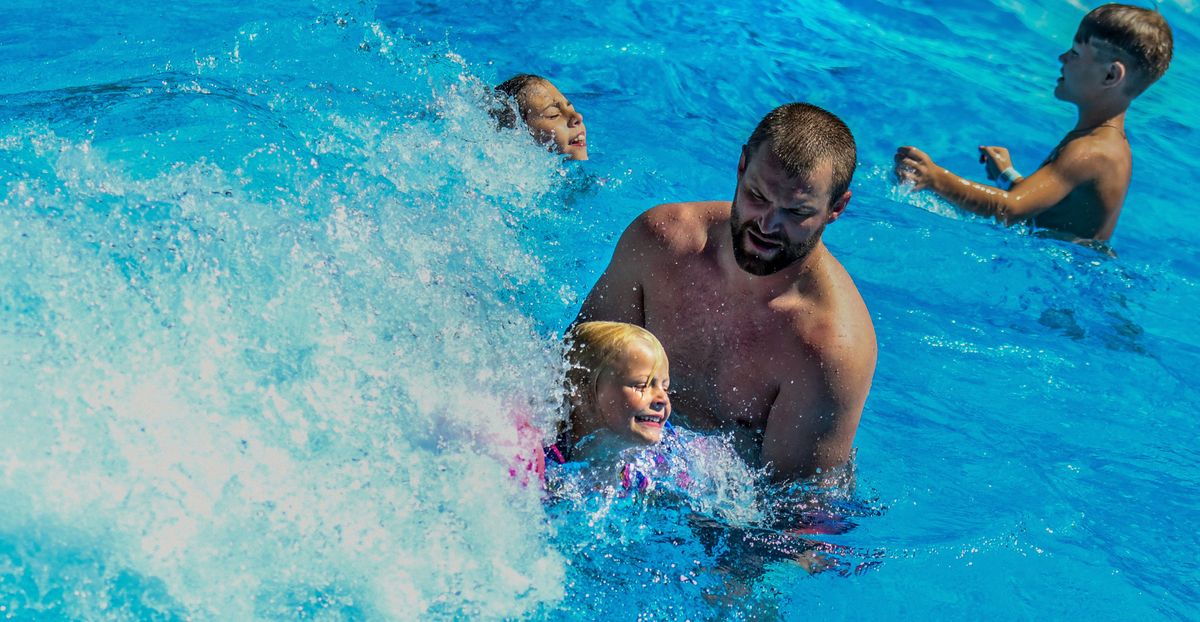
[(916, 167), (996, 159)]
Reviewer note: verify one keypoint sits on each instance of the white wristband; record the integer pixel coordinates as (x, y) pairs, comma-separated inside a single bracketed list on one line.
[(1008, 177)]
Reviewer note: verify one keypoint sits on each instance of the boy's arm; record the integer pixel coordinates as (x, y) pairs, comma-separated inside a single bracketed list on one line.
[(997, 161), (1075, 165)]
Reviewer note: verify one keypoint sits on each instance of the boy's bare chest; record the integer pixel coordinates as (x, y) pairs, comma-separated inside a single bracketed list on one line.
[(1091, 209), (1085, 212)]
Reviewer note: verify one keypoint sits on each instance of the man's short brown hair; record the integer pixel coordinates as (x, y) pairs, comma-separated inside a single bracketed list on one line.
[(1140, 37), (803, 136)]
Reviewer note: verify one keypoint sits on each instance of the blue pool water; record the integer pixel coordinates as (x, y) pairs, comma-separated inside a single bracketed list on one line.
[(270, 283)]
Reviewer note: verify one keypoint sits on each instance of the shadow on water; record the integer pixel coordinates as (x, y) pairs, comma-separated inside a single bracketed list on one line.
[(82, 102), (1121, 334), (1090, 296)]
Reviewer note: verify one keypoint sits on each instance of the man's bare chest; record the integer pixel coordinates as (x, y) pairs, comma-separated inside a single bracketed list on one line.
[(721, 351)]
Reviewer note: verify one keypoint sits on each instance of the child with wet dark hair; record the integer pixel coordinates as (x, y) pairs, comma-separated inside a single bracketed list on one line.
[(550, 117)]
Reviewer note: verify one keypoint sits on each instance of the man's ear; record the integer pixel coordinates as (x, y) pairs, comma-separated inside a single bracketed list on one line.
[(743, 161), (1115, 74), (838, 207)]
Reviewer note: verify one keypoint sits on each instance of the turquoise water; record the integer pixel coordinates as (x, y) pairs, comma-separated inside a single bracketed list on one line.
[(270, 284)]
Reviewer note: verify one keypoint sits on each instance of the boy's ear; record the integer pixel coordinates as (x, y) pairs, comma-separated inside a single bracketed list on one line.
[(1115, 74)]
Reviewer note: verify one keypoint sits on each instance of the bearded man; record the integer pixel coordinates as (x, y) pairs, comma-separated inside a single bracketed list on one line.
[(766, 332)]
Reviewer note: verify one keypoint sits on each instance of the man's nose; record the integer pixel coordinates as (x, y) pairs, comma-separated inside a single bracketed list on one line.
[(768, 220), (575, 119)]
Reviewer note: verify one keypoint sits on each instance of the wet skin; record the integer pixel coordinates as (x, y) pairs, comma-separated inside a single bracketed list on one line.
[(631, 397), (1080, 188), (553, 120), (776, 348)]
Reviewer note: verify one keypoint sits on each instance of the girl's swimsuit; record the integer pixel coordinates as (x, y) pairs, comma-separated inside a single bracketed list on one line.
[(637, 474), (555, 455)]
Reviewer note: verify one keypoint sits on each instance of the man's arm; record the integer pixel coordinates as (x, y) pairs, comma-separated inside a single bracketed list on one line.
[(812, 424), (1075, 165), (617, 295)]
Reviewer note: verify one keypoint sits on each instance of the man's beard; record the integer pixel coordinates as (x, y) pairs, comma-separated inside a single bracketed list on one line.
[(787, 255)]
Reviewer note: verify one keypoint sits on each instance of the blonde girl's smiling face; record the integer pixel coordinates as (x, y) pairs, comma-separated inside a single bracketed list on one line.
[(553, 120), (631, 394)]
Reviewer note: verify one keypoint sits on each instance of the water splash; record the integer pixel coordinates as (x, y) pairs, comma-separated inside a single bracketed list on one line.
[(261, 344)]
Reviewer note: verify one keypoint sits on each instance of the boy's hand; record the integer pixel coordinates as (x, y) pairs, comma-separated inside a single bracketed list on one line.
[(915, 166), (996, 159)]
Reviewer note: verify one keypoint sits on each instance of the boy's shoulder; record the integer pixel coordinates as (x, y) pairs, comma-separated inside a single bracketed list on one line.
[(1086, 155)]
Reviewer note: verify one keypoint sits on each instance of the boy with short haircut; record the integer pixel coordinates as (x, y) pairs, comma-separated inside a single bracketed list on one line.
[(1118, 52)]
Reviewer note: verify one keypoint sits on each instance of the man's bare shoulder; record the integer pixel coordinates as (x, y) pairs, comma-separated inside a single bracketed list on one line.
[(833, 324), (681, 228)]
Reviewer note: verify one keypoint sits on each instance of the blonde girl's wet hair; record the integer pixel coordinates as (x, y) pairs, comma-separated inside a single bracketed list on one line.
[(592, 348)]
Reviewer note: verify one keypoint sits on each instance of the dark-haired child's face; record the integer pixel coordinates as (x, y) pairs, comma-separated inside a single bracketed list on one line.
[(554, 121)]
